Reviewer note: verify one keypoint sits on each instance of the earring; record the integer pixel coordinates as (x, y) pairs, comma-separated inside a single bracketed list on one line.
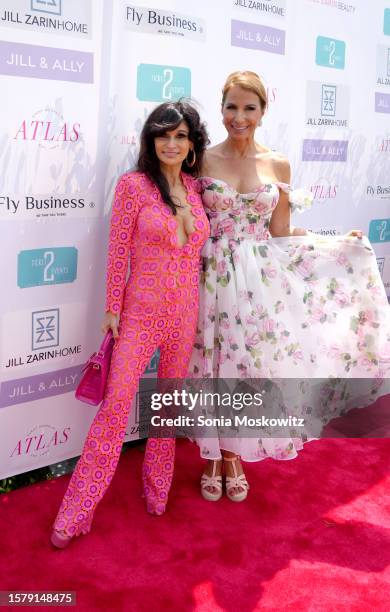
[(193, 159), (260, 123)]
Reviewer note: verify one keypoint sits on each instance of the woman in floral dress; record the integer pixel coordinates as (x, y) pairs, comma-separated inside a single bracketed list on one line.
[(276, 301)]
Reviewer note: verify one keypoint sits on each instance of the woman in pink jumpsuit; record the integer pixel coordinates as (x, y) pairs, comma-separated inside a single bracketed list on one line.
[(159, 223)]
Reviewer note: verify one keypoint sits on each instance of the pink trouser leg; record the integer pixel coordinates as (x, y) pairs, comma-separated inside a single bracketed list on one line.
[(159, 461), (99, 459), (157, 473), (137, 342)]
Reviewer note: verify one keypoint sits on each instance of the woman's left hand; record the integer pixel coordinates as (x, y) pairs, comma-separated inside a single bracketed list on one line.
[(354, 234)]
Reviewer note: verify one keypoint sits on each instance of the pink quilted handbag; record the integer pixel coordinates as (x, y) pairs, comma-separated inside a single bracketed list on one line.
[(95, 372)]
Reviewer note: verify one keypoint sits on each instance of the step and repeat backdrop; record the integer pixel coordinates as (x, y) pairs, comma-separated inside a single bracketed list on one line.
[(78, 78)]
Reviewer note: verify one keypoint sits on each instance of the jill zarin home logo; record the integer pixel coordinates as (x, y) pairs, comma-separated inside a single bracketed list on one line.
[(62, 17), (383, 66), (276, 8), (48, 128), (328, 101), (45, 329), (46, 6), (385, 277), (327, 104), (47, 334), (381, 264)]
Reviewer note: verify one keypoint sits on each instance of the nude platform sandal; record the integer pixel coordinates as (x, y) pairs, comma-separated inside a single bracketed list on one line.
[(211, 481), (236, 482)]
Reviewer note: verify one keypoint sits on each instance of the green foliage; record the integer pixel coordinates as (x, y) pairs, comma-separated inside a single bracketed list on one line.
[(23, 480), (49, 472)]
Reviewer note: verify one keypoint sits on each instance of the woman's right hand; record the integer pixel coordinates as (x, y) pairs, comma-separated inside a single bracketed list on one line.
[(110, 321)]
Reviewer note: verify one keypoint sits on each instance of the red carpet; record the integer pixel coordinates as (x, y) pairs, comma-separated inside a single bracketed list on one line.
[(312, 536)]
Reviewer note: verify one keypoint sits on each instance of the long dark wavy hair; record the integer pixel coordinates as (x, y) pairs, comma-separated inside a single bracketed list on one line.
[(164, 118)]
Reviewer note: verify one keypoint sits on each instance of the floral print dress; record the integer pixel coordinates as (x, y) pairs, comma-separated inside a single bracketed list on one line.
[(302, 307)]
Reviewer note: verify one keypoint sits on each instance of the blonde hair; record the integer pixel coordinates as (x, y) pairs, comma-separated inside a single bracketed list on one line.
[(247, 80)]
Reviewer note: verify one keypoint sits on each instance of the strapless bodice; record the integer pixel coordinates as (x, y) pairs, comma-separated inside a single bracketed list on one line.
[(239, 215)]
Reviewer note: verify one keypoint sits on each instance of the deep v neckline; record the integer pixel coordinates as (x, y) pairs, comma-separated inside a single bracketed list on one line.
[(193, 217)]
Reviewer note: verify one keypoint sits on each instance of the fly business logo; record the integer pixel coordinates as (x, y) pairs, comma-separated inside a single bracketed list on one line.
[(51, 266), (168, 23), (330, 52), (162, 83), (45, 329)]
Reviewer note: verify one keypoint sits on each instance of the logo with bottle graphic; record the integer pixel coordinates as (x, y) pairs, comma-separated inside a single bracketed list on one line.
[(379, 230), (51, 266), (386, 22), (162, 83), (330, 52)]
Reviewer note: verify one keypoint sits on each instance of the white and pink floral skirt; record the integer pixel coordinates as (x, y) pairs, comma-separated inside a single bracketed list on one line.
[(301, 308)]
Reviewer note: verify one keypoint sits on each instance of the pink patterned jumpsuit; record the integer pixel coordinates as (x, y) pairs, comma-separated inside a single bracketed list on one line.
[(159, 308)]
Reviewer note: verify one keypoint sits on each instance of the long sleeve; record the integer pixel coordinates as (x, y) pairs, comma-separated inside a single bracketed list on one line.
[(123, 218)]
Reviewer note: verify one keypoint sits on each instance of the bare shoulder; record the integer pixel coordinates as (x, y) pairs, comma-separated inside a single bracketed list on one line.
[(212, 156), (214, 151), (281, 166)]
